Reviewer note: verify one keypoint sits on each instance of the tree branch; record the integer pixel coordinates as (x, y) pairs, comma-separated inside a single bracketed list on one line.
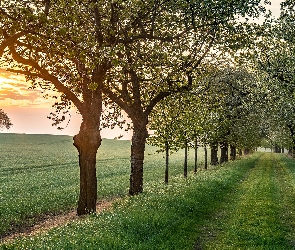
[(156, 100), (97, 19), (10, 41), (47, 6), (44, 74), (117, 100)]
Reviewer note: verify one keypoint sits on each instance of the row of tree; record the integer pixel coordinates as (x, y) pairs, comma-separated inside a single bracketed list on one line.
[(167, 64)]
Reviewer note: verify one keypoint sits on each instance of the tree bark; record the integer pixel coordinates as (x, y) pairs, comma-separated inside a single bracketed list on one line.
[(137, 156), (292, 150), (214, 151), (292, 131), (277, 148), (87, 142), (167, 162), (185, 160), (246, 151), (224, 152), (196, 155), (240, 152), (233, 152), (206, 158)]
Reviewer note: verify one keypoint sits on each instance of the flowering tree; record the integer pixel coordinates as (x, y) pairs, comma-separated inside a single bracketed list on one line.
[(273, 56)]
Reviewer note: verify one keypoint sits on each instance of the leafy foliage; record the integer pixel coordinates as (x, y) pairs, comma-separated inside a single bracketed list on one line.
[(273, 58), (226, 106), (4, 120)]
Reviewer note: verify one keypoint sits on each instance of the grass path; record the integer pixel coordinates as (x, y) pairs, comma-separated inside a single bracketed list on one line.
[(261, 213)]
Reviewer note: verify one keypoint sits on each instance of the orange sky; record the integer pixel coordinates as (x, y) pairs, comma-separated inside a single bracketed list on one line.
[(28, 110)]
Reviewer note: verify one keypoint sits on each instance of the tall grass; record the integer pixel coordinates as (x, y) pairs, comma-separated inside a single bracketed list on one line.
[(39, 174)]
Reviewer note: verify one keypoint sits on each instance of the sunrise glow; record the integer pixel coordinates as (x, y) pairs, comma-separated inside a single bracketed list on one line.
[(27, 108)]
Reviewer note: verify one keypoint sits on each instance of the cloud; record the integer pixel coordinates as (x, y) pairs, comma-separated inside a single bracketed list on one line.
[(4, 73), (10, 93), (14, 91)]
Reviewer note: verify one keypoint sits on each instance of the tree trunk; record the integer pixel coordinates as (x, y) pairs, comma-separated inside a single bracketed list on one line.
[(291, 151), (87, 142), (233, 152), (292, 131), (185, 160), (137, 156), (167, 162), (206, 158), (224, 152), (196, 155), (277, 149), (246, 151), (240, 152), (214, 151)]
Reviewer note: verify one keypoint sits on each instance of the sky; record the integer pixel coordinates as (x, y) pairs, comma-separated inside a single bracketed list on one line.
[(28, 110)]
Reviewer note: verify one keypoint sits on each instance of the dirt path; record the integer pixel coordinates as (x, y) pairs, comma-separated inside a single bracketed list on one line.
[(51, 221)]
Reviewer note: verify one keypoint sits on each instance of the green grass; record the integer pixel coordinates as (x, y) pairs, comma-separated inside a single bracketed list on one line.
[(39, 174), (164, 217), (260, 214), (246, 204)]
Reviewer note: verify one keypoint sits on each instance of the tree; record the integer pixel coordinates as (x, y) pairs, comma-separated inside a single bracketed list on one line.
[(178, 122), (164, 124), (273, 58), (174, 41), (234, 95), (4, 120), (135, 53), (70, 48)]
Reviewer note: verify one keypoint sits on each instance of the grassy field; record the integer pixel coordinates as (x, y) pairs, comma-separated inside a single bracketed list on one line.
[(246, 204), (39, 174)]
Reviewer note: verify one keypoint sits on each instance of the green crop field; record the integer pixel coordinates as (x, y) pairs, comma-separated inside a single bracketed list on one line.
[(39, 174)]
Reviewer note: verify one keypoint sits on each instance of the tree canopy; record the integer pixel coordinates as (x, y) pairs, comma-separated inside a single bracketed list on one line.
[(127, 54)]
